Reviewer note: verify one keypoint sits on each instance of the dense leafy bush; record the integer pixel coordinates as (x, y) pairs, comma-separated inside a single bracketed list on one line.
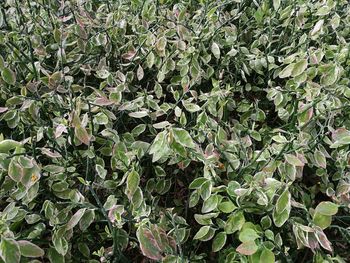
[(174, 131)]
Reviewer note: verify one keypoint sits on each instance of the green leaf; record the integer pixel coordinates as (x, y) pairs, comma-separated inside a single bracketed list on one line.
[(191, 107), (8, 76), (345, 140), (205, 190), (140, 73), (183, 137), (197, 183), (75, 218), (293, 160), (137, 198), (138, 114), (323, 10), (2, 61), (287, 71), (54, 256), (330, 76), (101, 171), (9, 250), (226, 207), (248, 234), (219, 241), (139, 129), (87, 219), (317, 27), (320, 159), (205, 219), (216, 50), (60, 244), (280, 219), (209, 235), (29, 249), (159, 147), (279, 138), (282, 209), (327, 208), (299, 67), (247, 248), (322, 221), (132, 183), (8, 145), (84, 249), (210, 204), (234, 222), (276, 4), (267, 256), (15, 171), (202, 232), (283, 201)]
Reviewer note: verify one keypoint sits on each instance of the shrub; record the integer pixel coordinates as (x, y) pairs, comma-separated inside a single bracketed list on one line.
[(174, 131)]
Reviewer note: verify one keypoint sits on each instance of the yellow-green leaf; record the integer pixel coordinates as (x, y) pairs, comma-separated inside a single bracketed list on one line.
[(267, 256), (327, 208)]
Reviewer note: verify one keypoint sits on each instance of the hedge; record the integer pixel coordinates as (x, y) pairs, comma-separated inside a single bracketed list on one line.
[(174, 131)]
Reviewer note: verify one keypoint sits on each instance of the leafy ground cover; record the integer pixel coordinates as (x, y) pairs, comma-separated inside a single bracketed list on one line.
[(174, 131)]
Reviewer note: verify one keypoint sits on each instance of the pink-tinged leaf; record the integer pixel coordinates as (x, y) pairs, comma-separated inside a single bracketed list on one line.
[(59, 130), (116, 210), (247, 248), (302, 158), (160, 236), (312, 241), (111, 213), (49, 153), (103, 101), (340, 133), (75, 218), (82, 135), (323, 240), (129, 55), (305, 113), (82, 33), (3, 109), (148, 244)]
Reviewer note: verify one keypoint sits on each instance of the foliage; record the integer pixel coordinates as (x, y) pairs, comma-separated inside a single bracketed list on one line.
[(174, 131)]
